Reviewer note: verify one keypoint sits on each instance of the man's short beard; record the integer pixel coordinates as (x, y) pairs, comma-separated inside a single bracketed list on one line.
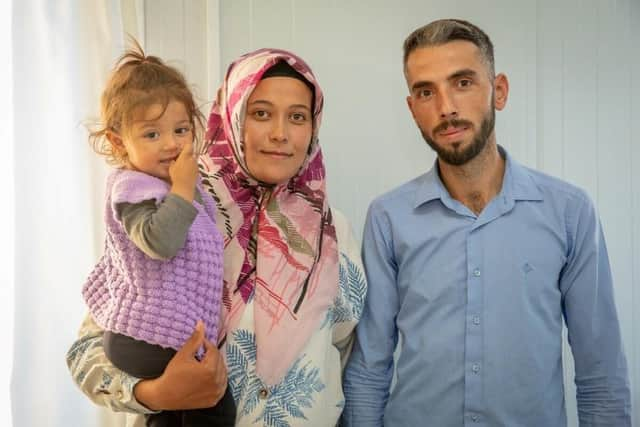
[(457, 157)]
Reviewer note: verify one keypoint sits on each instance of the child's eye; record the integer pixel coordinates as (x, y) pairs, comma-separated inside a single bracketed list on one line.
[(182, 130), (152, 135)]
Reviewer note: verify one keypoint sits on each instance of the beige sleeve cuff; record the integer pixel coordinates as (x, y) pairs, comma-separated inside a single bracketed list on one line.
[(97, 378)]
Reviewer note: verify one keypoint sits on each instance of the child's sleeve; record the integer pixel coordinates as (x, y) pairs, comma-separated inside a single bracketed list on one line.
[(158, 230)]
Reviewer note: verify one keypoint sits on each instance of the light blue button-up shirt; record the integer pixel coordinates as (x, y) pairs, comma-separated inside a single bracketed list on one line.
[(478, 303)]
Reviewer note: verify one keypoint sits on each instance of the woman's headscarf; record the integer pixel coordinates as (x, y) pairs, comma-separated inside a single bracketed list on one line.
[(284, 253)]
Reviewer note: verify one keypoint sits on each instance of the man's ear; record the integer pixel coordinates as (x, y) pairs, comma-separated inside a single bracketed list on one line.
[(501, 91), (410, 105)]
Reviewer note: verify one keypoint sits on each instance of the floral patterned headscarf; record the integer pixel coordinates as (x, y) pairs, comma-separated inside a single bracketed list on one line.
[(280, 241)]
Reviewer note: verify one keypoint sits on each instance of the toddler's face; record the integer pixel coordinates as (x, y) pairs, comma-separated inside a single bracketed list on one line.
[(155, 138)]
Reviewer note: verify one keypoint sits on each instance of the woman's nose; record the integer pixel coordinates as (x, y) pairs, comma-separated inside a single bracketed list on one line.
[(279, 131)]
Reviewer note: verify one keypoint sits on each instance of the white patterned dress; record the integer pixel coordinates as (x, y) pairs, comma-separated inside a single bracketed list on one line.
[(310, 393)]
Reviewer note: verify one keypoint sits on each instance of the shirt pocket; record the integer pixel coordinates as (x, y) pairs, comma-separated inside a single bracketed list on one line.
[(540, 290)]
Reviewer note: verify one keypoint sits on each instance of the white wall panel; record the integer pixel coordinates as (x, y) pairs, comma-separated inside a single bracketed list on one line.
[(633, 347), (177, 32)]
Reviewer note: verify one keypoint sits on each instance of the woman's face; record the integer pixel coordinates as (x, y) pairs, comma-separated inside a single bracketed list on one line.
[(277, 129)]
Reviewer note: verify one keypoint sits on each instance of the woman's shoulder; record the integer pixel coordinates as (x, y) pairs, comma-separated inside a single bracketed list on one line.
[(348, 245), (341, 224), (353, 283)]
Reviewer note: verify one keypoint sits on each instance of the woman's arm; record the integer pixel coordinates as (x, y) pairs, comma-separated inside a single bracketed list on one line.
[(187, 383), (97, 378)]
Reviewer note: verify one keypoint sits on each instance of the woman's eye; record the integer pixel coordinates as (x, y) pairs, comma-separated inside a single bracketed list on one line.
[(260, 114), (298, 117)]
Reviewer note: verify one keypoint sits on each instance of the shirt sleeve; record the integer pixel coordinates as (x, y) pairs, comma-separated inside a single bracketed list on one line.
[(159, 231), (97, 378), (601, 376), (370, 369)]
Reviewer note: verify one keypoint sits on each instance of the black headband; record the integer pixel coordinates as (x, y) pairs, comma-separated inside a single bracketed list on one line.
[(282, 69)]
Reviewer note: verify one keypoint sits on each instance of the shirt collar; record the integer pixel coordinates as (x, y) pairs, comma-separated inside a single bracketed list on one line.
[(516, 185)]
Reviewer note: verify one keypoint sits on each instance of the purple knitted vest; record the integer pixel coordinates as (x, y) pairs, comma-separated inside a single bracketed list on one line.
[(153, 300)]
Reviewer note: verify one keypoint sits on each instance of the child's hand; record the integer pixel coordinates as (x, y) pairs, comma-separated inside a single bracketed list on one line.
[(184, 173)]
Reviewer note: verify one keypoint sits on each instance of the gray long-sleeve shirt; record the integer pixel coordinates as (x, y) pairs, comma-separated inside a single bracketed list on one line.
[(158, 230)]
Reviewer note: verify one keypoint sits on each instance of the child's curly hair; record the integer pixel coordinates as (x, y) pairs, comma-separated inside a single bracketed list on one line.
[(139, 81)]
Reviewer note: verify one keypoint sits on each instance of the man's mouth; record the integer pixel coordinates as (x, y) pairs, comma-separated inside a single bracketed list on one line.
[(452, 128), (453, 131)]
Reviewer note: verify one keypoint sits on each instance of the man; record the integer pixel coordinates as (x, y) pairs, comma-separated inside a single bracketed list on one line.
[(474, 265)]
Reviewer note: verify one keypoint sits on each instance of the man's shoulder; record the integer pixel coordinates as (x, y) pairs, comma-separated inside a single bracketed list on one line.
[(400, 196), (555, 188)]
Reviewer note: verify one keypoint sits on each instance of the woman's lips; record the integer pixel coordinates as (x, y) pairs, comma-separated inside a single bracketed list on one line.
[(276, 154)]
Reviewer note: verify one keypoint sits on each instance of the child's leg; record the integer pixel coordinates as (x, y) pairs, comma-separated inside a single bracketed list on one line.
[(164, 419), (137, 358), (142, 360), (221, 415)]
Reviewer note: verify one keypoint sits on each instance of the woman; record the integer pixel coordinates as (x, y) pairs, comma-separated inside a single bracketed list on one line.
[(293, 281)]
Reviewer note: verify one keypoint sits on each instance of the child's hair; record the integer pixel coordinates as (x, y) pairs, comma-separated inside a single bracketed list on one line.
[(139, 81)]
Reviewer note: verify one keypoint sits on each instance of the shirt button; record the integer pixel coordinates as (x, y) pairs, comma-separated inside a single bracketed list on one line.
[(476, 320), (476, 272), (263, 393), (475, 368)]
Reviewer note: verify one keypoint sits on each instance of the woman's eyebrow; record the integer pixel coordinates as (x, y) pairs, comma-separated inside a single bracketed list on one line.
[(260, 101)]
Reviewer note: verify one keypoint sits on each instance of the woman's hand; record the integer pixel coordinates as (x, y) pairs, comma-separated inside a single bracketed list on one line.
[(186, 382)]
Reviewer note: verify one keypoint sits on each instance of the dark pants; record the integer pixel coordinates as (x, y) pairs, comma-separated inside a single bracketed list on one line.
[(144, 360)]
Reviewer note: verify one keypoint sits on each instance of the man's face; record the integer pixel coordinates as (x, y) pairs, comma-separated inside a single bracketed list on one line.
[(453, 99)]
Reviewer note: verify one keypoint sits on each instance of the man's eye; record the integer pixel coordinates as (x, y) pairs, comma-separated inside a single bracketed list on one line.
[(464, 83), (424, 93)]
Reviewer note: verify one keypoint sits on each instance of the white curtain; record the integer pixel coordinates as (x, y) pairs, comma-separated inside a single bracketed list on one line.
[(7, 216), (61, 51)]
